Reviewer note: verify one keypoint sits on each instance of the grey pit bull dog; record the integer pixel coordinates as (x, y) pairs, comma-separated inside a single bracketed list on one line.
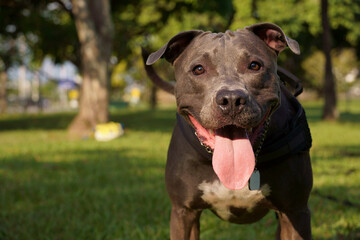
[(241, 143)]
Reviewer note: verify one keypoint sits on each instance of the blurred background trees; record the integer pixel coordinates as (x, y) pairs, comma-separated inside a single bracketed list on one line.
[(33, 30)]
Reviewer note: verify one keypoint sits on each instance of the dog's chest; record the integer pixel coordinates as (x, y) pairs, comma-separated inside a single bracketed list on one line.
[(223, 199)]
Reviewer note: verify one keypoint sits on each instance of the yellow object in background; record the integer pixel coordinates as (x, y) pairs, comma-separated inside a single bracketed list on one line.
[(135, 95), (73, 94), (108, 131)]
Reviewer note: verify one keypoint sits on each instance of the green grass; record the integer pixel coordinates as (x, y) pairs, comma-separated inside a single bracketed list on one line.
[(336, 166), (55, 188)]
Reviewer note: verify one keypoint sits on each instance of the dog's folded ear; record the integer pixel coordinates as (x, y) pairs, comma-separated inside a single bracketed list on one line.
[(274, 37), (171, 50)]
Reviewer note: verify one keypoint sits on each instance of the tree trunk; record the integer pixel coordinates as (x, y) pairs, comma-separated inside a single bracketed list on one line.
[(3, 99), (95, 33), (254, 10), (329, 110), (153, 97)]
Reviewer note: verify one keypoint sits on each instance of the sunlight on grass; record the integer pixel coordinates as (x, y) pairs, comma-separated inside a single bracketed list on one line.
[(56, 188), (336, 163)]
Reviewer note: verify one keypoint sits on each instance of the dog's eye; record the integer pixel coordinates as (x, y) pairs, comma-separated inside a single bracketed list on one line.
[(198, 70), (254, 66)]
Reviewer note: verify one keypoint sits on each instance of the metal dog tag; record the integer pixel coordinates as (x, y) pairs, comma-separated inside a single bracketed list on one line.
[(254, 181)]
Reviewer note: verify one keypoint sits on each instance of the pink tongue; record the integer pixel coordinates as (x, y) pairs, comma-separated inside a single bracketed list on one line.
[(233, 158)]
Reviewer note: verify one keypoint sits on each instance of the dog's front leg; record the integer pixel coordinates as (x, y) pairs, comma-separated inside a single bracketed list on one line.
[(184, 224), (294, 225)]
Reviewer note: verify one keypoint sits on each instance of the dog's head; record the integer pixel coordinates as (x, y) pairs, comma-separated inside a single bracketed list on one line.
[(227, 83)]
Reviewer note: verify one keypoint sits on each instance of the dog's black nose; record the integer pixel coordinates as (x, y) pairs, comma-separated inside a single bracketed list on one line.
[(231, 102)]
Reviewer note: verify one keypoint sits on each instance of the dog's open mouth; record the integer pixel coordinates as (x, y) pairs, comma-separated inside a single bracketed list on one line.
[(233, 157)]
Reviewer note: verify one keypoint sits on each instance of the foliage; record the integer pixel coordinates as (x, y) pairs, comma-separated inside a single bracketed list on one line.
[(48, 89), (301, 20), (117, 78), (56, 188), (345, 16), (287, 14), (346, 68), (151, 24), (48, 27), (345, 62), (9, 52)]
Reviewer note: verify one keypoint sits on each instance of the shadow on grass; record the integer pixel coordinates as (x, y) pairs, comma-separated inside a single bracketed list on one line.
[(38, 121), (336, 152), (314, 114), (350, 117), (106, 193), (101, 194), (161, 120), (145, 120), (337, 202), (336, 195)]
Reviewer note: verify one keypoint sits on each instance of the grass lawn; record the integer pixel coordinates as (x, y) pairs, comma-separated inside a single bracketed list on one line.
[(55, 188)]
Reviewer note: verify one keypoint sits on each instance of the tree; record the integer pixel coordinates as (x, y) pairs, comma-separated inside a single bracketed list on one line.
[(95, 32), (151, 23), (8, 52), (43, 27), (312, 32), (329, 110), (49, 29)]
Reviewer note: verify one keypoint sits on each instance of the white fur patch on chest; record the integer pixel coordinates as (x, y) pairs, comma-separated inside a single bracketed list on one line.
[(222, 198)]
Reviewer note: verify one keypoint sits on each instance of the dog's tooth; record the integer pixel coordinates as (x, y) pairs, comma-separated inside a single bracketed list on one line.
[(211, 131)]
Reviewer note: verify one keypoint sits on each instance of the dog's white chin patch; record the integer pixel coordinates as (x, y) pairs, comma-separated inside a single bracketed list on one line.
[(222, 199)]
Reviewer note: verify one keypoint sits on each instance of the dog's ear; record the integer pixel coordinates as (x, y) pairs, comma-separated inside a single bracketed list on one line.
[(274, 37), (174, 47)]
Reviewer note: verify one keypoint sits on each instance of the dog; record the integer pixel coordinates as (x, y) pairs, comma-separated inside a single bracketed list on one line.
[(241, 143)]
